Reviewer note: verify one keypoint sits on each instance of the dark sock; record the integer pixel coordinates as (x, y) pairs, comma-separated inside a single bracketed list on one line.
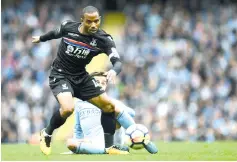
[(109, 125), (108, 122), (56, 121), (109, 139)]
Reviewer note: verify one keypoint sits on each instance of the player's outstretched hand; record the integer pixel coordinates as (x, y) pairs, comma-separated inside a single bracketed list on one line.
[(111, 76), (35, 39)]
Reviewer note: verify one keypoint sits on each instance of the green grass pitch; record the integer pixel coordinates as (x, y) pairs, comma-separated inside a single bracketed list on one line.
[(167, 151)]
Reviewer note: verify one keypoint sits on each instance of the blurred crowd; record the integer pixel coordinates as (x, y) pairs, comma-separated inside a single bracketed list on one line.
[(179, 73)]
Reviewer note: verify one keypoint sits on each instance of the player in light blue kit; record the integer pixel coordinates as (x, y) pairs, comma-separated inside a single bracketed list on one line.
[(88, 131)]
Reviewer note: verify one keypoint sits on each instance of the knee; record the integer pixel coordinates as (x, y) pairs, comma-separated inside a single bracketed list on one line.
[(109, 108), (67, 109), (71, 145)]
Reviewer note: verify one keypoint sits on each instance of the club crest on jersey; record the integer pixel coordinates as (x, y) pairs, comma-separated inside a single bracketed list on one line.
[(93, 42)]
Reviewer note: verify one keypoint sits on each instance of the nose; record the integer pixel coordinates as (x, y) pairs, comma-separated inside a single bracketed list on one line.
[(93, 25)]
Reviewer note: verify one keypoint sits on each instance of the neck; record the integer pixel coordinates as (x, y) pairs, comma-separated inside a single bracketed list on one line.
[(82, 30)]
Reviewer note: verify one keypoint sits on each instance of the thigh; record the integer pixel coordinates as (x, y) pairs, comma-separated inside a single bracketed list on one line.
[(59, 84), (88, 89), (62, 90), (103, 102), (94, 93)]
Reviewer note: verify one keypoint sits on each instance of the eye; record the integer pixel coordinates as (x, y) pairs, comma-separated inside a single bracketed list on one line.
[(96, 21), (88, 21)]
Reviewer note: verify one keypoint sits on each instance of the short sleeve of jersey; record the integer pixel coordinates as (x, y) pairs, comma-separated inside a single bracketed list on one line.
[(110, 48)]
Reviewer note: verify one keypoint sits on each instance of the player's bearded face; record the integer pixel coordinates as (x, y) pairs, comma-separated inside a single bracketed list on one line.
[(91, 22)]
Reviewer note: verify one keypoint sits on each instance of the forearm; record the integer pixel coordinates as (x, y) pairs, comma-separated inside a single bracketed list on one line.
[(117, 65), (54, 34)]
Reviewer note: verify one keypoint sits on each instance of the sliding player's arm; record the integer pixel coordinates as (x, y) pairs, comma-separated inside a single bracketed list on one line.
[(54, 34)]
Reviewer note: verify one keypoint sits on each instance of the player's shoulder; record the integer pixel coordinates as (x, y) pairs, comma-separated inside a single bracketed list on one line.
[(69, 24), (104, 35)]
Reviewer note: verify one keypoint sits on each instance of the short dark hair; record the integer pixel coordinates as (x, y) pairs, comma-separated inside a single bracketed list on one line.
[(98, 74), (89, 9)]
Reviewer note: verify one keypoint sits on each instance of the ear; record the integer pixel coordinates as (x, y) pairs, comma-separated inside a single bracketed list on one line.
[(81, 19)]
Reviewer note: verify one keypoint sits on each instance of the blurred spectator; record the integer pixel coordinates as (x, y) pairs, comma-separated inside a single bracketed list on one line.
[(179, 74)]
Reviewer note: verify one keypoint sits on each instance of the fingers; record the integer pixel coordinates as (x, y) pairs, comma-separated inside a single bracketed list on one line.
[(35, 39), (113, 80), (111, 76)]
